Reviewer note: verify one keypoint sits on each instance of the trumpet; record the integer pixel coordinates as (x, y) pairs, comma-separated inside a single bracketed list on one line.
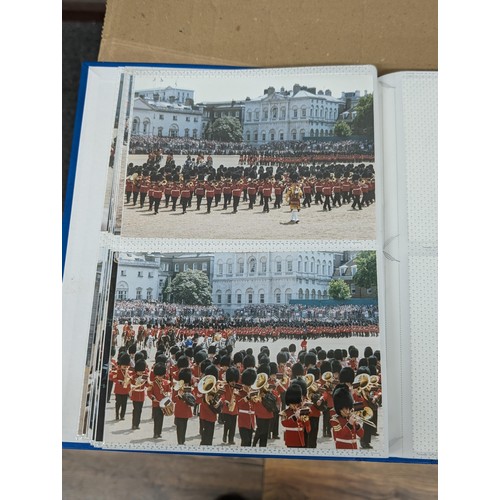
[(312, 386)]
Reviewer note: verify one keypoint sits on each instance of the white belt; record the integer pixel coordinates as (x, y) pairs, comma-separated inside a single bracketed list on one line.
[(294, 429), (246, 411), (348, 441)]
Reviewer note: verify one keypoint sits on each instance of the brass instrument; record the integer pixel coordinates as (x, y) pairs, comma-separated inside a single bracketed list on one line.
[(232, 403), (212, 391), (126, 378), (312, 386), (362, 384), (139, 383), (364, 416), (329, 381), (166, 404)]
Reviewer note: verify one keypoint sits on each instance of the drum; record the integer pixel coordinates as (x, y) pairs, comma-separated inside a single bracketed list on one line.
[(167, 406)]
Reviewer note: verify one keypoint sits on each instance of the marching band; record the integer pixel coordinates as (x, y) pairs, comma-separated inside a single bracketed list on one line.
[(252, 399)]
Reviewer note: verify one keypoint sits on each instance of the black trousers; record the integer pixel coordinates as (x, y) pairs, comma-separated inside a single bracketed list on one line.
[(274, 428), (278, 201), (142, 199), (227, 200), (307, 200), (236, 202), (167, 199), (318, 198), (246, 436), (251, 200), (184, 203), (181, 425), (266, 203), (151, 201), (129, 193), (327, 430), (135, 195), (209, 204), (157, 204), (312, 437), (174, 204), (136, 413), (207, 432), (326, 204), (121, 405), (229, 427), (157, 421), (356, 201), (217, 199), (199, 199), (262, 432), (337, 199), (346, 197)]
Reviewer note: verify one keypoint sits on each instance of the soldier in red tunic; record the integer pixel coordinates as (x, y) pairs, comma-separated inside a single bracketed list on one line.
[(245, 403), (210, 406), (252, 194), (200, 193), (159, 393), (185, 197), (121, 379), (156, 194), (184, 402), (129, 188), (176, 192), (345, 424), (295, 418), (138, 385), (229, 409), (356, 194), (236, 194), (209, 193)]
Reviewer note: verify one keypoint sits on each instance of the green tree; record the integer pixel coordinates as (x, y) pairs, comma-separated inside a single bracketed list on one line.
[(339, 290), (190, 287), (366, 274), (363, 121), (342, 129), (227, 129)]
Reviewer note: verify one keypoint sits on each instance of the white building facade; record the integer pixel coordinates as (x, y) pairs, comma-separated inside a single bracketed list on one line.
[(166, 119), (137, 279), (241, 279), (290, 115)]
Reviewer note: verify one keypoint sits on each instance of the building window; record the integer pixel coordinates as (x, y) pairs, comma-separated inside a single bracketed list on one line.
[(186, 267), (272, 136), (256, 136), (278, 266), (263, 266), (289, 266), (138, 294), (261, 298), (230, 268), (266, 114), (229, 298), (161, 117), (251, 266), (288, 297), (263, 136), (241, 266), (219, 269), (174, 118), (278, 298), (122, 294), (123, 272), (219, 298), (204, 266), (139, 274), (195, 119), (250, 298), (248, 136), (188, 118), (295, 113), (256, 116), (149, 294), (304, 112), (176, 268), (299, 266), (150, 274), (238, 298), (353, 289)]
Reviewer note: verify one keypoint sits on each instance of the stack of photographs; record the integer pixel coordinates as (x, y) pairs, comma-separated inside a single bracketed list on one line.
[(238, 299)]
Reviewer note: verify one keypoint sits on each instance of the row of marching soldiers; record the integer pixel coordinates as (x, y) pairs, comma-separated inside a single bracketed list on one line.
[(254, 395)]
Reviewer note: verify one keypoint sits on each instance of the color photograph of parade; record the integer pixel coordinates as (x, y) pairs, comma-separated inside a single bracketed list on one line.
[(239, 161), (246, 351)]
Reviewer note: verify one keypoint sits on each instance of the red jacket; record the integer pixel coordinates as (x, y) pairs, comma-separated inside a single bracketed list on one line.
[(344, 434), (294, 429), (182, 409), (158, 390), (246, 412)]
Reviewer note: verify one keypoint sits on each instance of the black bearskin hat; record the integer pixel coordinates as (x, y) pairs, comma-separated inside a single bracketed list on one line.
[(124, 359), (238, 357), (315, 372), (282, 357), (293, 395), (200, 356), (297, 370), (302, 384), (249, 361), (310, 359), (140, 365), (225, 360), (336, 366), (160, 369), (346, 375), (232, 374), (264, 369), (183, 362), (248, 377), (273, 368), (185, 375), (211, 370), (342, 398)]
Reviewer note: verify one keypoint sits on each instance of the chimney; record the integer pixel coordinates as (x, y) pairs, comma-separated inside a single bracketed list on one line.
[(296, 88), (328, 92)]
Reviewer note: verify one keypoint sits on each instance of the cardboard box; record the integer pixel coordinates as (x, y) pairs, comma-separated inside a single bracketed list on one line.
[(391, 35)]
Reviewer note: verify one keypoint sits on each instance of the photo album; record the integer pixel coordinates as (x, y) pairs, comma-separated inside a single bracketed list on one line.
[(250, 263)]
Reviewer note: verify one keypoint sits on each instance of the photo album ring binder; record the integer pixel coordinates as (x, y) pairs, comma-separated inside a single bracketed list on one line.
[(250, 263)]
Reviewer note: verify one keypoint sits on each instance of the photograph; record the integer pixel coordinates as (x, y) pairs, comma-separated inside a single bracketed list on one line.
[(250, 154), (246, 352)]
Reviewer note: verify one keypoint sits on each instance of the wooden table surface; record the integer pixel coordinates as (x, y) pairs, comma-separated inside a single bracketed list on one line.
[(128, 475)]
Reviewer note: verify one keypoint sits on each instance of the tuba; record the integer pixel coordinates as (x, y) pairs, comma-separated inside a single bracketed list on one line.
[(329, 381)]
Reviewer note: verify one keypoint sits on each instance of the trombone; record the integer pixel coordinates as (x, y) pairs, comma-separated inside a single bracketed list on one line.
[(364, 415)]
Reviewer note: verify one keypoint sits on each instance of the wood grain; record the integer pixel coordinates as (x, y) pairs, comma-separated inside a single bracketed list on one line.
[(314, 479), (126, 475)]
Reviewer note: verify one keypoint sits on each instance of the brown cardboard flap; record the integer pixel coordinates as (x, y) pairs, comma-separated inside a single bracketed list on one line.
[(392, 35)]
